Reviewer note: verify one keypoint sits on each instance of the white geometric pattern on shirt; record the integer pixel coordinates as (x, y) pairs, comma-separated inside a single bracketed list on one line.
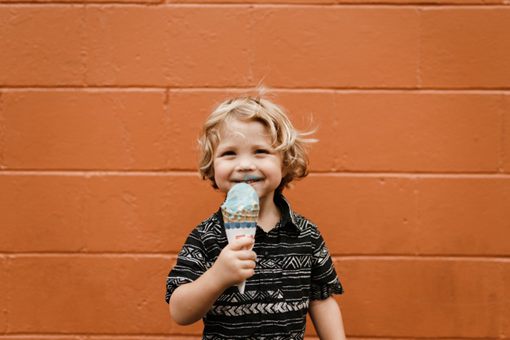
[(296, 262), (251, 295), (191, 253), (258, 308), (321, 255), (290, 336)]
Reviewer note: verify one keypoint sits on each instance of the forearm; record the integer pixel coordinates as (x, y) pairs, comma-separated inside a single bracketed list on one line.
[(327, 319), (191, 301)]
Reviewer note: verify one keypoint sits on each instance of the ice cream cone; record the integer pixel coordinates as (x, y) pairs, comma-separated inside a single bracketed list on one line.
[(240, 212)]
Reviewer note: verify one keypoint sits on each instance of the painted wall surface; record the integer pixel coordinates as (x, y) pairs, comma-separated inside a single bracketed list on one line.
[(101, 103)]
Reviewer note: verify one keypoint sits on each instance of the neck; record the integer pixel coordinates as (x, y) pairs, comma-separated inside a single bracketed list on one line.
[(269, 214)]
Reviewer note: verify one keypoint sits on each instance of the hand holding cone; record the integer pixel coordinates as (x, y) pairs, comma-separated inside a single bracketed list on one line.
[(240, 212)]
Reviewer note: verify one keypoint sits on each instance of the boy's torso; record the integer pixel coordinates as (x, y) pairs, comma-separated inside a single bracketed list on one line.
[(275, 302), (293, 267)]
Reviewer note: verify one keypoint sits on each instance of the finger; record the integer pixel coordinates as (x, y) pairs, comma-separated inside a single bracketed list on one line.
[(247, 255), (247, 273), (247, 264), (241, 243)]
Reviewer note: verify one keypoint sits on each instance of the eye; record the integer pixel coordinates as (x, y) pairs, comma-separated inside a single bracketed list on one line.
[(262, 151), (227, 153)]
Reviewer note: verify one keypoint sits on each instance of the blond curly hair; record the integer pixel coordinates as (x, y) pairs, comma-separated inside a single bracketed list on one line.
[(285, 138)]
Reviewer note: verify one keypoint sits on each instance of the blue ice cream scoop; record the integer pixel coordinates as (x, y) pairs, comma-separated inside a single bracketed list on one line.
[(242, 200)]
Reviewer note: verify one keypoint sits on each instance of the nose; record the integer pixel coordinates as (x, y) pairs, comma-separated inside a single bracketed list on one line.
[(245, 164)]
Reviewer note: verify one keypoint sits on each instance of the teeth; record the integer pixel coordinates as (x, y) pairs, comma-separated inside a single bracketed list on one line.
[(249, 180)]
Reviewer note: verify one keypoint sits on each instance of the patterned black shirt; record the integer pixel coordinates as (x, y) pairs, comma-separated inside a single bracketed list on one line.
[(293, 267)]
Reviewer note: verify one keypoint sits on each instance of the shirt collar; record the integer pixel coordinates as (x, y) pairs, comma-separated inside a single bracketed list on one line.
[(288, 216)]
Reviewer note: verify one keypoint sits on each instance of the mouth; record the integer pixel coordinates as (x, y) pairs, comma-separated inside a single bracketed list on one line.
[(249, 180)]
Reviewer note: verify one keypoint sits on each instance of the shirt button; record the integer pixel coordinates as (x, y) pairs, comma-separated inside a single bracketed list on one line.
[(266, 253)]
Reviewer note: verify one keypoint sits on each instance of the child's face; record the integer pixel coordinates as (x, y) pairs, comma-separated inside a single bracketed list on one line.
[(245, 154)]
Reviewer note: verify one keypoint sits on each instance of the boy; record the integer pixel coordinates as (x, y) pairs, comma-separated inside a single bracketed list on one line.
[(289, 272)]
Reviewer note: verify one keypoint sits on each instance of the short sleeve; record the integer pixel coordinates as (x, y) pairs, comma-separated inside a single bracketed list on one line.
[(325, 281), (191, 264)]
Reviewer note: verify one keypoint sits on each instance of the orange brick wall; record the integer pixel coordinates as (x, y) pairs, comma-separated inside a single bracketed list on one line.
[(100, 105)]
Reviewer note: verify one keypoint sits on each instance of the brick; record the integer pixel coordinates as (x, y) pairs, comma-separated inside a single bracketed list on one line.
[(426, 2), (114, 59), (41, 337), (41, 45), (356, 214), (138, 337), (505, 311), (433, 298), (100, 213), (425, 132), (354, 133), (330, 2), (126, 45), (82, 1), (3, 297), (100, 337), (359, 215), (505, 157), (113, 337), (290, 2), (437, 132), (187, 111), (452, 42), (210, 46), (336, 46), (463, 215), (407, 215), (175, 46), (84, 129), (115, 294), (430, 297)]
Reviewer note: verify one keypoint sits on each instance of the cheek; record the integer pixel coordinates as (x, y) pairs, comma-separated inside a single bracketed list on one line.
[(216, 169), (220, 169), (276, 168), (279, 164)]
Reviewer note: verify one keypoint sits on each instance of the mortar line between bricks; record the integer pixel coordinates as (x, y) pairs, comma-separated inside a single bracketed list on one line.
[(92, 336), (165, 256), (170, 256), (414, 175), (372, 337), (134, 88), (136, 336), (196, 336), (175, 173), (447, 5), (445, 258), (348, 90)]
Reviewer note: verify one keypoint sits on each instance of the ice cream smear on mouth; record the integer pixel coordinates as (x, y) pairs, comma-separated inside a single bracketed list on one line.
[(240, 212), (249, 179)]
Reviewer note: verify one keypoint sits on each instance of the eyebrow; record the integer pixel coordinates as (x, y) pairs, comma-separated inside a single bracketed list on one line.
[(226, 146)]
